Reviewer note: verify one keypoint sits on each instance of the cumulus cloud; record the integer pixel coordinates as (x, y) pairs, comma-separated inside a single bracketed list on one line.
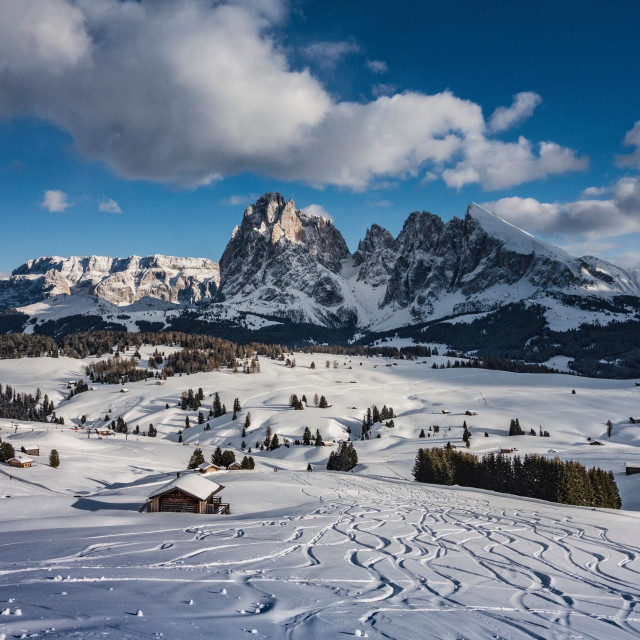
[(632, 139), (376, 66), (55, 201), (589, 219), (523, 106), (212, 94), (383, 89), (109, 206), (317, 210), (328, 54), (240, 200)]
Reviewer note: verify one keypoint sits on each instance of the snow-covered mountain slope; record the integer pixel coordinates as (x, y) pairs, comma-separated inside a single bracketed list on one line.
[(120, 281), (283, 264), (323, 554)]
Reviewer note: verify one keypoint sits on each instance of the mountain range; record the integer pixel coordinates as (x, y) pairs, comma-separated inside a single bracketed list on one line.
[(285, 268)]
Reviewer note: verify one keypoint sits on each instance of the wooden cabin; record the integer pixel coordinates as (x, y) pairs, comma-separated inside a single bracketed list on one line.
[(511, 450), (188, 494), (104, 431), (208, 467), (633, 420), (596, 443), (30, 450), (22, 462), (235, 466), (446, 411), (632, 468), (471, 413)]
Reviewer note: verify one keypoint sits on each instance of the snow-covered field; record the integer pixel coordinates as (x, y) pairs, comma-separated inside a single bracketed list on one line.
[(306, 555)]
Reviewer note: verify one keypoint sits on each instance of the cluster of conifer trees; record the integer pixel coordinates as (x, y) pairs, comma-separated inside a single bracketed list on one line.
[(535, 476), (372, 416), (344, 459), (25, 406)]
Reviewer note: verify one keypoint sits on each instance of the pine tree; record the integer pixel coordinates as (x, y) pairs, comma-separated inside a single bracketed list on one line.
[(54, 458), (247, 420), (217, 406), (179, 436), (267, 439), (196, 459), (323, 404), (421, 433), (186, 422), (216, 457), (309, 467), (316, 399), (275, 442), (228, 457), (312, 365), (200, 417), (236, 406), (609, 428), (318, 441), (306, 436)]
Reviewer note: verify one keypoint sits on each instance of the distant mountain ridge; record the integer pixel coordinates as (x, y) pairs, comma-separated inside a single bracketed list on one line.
[(282, 265)]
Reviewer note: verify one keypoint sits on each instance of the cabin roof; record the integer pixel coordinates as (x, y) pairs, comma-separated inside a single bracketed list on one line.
[(194, 485), (21, 459), (208, 465)]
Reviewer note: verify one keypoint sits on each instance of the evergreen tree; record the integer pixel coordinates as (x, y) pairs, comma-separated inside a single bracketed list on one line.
[(515, 429), (200, 417), (252, 464), (312, 365), (421, 433), (54, 458), (275, 442), (267, 438), (306, 436), (609, 428), (186, 422), (309, 467), (228, 457), (179, 436), (217, 406), (196, 459), (236, 406), (316, 399), (247, 421), (216, 457), (323, 404), (318, 441), (344, 459)]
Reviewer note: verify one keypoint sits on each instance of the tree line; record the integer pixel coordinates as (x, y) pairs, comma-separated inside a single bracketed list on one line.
[(25, 406), (555, 480)]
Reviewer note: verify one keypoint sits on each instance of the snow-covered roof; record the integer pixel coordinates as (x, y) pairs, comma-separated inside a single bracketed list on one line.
[(207, 465), (194, 485), (21, 459)]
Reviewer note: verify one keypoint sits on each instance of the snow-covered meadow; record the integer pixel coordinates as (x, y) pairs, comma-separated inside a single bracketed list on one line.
[(310, 554)]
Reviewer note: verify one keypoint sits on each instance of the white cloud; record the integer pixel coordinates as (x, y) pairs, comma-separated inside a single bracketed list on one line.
[(523, 106), (383, 89), (630, 259), (632, 139), (377, 66), (240, 200), (499, 165), (328, 54), (55, 201), (317, 210), (211, 94), (109, 206), (589, 219)]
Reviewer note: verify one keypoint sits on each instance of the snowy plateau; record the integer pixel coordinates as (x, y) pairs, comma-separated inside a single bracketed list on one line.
[(319, 554)]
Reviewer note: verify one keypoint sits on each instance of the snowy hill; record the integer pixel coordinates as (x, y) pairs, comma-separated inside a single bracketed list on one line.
[(321, 554)]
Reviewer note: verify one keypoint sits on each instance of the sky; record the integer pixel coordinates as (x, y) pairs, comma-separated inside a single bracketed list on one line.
[(139, 127)]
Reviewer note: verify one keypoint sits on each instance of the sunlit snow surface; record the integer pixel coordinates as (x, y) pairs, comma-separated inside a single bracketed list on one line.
[(318, 555)]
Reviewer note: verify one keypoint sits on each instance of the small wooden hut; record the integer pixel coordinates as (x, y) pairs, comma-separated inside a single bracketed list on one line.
[(633, 420), (208, 467), (22, 462), (235, 466), (30, 450), (188, 494), (632, 468)]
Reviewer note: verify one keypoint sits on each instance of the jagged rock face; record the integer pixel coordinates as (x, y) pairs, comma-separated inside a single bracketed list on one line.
[(121, 281), (375, 256), (279, 255)]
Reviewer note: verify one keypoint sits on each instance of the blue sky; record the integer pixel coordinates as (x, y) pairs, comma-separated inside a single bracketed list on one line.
[(140, 128)]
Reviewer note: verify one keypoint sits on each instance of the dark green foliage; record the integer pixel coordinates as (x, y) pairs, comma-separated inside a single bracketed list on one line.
[(421, 433), (227, 458), (24, 406), (323, 404), (318, 441), (515, 429), (54, 458), (196, 459), (190, 400), (275, 442), (216, 457), (566, 482), (306, 436), (6, 451), (344, 459)]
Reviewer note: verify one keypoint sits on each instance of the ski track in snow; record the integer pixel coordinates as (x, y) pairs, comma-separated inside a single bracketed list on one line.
[(394, 559)]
